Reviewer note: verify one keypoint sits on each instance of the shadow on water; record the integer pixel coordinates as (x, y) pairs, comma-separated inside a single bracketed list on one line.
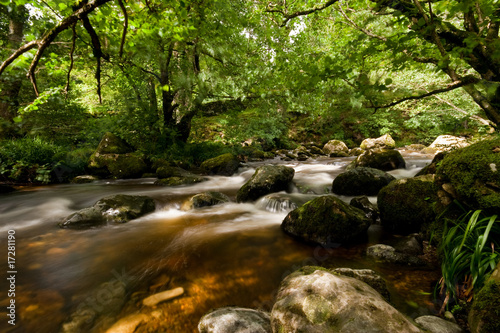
[(232, 254)]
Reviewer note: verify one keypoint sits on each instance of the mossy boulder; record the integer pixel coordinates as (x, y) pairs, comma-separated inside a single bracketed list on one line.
[(204, 199), (118, 208), (111, 144), (336, 148), (266, 179), (326, 220), (170, 171), (225, 165), (316, 300), (382, 159), (474, 172), (119, 166), (361, 181), (235, 320), (405, 205), (126, 166), (385, 141), (484, 315)]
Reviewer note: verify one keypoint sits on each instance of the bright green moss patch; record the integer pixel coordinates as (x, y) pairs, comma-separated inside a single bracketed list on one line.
[(475, 173)]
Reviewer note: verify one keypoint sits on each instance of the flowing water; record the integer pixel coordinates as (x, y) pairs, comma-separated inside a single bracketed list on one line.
[(230, 254)]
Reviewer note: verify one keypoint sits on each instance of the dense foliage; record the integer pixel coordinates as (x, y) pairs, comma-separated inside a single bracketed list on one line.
[(167, 75)]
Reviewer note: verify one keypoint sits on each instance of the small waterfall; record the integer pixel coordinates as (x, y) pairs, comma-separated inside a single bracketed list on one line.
[(282, 202), (276, 204)]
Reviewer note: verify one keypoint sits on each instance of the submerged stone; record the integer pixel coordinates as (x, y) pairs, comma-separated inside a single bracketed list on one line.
[(386, 253), (153, 300)]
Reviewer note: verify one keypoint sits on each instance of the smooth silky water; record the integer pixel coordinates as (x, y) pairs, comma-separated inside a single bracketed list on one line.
[(230, 254)]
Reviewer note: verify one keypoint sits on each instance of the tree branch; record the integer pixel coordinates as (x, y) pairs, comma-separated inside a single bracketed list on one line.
[(49, 37), (20, 51), (125, 26), (72, 61), (357, 27), (458, 84), (288, 17), (476, 118)]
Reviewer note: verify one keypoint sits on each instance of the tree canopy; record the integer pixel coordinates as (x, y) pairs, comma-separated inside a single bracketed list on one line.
[(161, 64)]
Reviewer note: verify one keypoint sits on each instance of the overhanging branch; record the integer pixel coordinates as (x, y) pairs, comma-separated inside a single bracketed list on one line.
[(288, 16), (49, 37), (455, 85)]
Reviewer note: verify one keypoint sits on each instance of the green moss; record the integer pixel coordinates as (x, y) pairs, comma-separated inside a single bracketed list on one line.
[(485, 311), (111, 144), (126, 166), (475, 173), (383, 159), (405, 205), (225, 164), (325, 220)]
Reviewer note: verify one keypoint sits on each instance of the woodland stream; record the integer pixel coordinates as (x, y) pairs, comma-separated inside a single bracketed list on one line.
[(231, 254)]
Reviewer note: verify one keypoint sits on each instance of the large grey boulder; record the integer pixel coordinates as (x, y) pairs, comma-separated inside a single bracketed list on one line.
[(266, 179), (361, 181), (235, 320), (315, 300), (326, 220), (118, 208)]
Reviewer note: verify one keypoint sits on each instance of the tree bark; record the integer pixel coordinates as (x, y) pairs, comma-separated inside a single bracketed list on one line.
[(11, 85)]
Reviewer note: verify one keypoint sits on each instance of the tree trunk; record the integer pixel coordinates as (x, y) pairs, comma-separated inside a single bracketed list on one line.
[(11, 84)]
